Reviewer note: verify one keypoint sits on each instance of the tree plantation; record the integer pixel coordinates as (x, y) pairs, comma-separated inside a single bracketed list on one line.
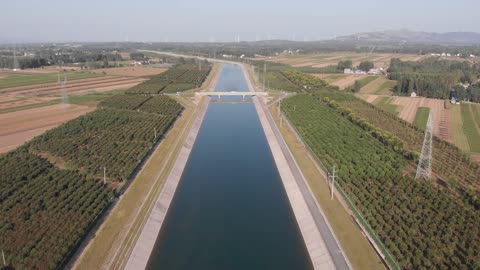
[(423, 226), (176, 79), (434, 78), (52, 189), (45, 210)]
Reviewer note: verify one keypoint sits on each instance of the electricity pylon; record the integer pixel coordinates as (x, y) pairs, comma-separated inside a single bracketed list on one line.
[(424, 168)]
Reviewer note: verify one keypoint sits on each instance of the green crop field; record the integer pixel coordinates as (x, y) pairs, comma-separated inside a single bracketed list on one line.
[(384, 104), (31, 79), (470, 128), (380, 86), (366, 80), (476, 113), (421, 117)]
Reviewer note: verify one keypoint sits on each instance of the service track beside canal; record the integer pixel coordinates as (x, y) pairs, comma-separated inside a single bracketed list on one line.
[(324, 249), (140, 254)]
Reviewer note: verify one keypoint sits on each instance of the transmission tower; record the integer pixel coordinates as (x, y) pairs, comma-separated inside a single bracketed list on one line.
[(424, 168)]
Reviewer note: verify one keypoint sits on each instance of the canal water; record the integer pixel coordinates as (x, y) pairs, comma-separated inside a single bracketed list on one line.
[(230, 210)]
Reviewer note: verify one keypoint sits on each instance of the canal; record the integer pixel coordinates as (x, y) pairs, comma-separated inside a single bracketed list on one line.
[(230, 210)]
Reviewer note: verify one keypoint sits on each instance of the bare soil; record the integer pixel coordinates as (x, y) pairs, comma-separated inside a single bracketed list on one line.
[(14, 102), (21, 126), (442, 126), (52, 89), (49, 69)]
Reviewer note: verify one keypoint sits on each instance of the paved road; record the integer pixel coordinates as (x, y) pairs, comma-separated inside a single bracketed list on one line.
[(332, 245)]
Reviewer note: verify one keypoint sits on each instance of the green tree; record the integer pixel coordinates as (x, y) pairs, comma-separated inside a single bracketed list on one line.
[(137, 56), (344, 64), (357, 86), (365, 65)]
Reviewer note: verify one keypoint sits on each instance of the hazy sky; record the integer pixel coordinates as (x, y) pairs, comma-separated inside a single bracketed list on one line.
[(224, 20)]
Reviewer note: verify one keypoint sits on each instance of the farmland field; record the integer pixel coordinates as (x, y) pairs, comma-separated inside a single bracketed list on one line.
[(72, 87), (470, 127), (448, 160), (21, 126), (407, 109), (35, 196), (380, 86), (133, 71), (88, 142), (453, 123), (327, 59), (421, 117), (385, 104), (60, 172), (378, 179), (30, 79), (176, 79), (341, 80)]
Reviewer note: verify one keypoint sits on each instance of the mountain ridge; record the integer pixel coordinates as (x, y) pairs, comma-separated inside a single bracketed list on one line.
[(409, 36)]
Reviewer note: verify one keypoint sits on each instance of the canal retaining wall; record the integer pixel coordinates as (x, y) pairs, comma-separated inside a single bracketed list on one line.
[(138, 259), (322, 246)]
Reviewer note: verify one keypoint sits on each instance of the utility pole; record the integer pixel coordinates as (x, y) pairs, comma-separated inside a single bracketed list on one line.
[(3, 256), (333, 182), (104, 175), (155, 132)]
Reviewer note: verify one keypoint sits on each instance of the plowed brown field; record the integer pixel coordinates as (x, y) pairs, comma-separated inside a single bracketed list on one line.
[(21, 126)]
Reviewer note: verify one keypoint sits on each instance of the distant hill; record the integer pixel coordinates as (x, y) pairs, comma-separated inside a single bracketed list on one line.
[(408, 36)]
